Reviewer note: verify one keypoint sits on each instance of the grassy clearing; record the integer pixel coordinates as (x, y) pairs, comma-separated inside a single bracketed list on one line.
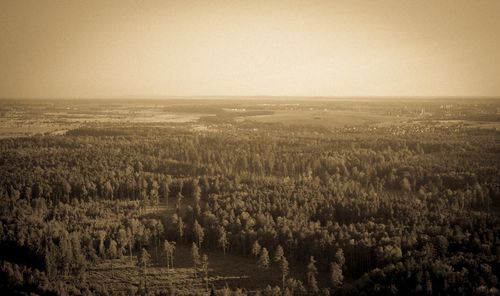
[(233, 271), (324, 118)]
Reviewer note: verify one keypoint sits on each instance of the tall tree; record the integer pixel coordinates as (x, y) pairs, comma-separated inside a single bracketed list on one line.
[(198, 233), (284, 268), (101, 235), (154, 195), (204, 268), (108, 190), (169, 249), (196, 258), (263, 259), (142, 262), (180, 229), (165, 190), (256, 248), (311, 275), (178, 203), (222, 240), (336, 276), (112, 251), (339, 257), (278, 254), (122, 240), (130, 242)]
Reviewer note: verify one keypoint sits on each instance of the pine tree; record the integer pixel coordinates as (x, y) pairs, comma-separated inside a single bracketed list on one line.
[(50, 259), (263, 259), (204, 267), (130, 242), (311, 275), (196, 258), (278, 254), (222, 241), (102, 250), (165, 190), (143, 260), (169, 248), (405, 185), (336, 276), (180, 229), (122, 241), (112, 251), (198, 233), (256, 248), (339, 257), (284, 270)]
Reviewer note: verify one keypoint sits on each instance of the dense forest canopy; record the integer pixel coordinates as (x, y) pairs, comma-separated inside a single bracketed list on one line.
[(367, 209)]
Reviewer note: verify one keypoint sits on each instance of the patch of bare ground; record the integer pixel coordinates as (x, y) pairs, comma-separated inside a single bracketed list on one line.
[(121, 275)]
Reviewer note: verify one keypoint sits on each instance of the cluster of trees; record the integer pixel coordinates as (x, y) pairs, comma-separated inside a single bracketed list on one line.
[(63, 241), (357, 211)]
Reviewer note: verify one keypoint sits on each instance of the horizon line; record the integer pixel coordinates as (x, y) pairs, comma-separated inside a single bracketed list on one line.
[(258, 97)]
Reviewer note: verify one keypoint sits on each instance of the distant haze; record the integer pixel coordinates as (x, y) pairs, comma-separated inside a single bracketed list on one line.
[(127, 48)]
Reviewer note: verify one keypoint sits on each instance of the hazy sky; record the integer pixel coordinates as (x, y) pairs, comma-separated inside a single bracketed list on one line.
[(107, 48)]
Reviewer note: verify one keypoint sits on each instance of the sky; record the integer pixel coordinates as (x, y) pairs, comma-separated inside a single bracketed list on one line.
[(123, 48)]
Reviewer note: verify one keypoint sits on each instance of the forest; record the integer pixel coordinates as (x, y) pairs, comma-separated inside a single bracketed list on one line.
[(246, 207)]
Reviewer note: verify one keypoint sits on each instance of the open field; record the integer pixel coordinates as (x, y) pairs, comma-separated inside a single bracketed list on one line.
[(16, 121), (494, 125), (325, 118), (31, 117)]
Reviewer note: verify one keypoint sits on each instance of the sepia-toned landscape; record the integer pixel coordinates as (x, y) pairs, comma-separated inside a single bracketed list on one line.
[(249, 147)]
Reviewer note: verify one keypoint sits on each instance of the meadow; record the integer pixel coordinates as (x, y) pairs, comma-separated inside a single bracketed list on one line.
[(325, 118)]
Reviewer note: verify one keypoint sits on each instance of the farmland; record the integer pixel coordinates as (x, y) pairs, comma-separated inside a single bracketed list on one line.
[(32, 117), (325, 118)]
